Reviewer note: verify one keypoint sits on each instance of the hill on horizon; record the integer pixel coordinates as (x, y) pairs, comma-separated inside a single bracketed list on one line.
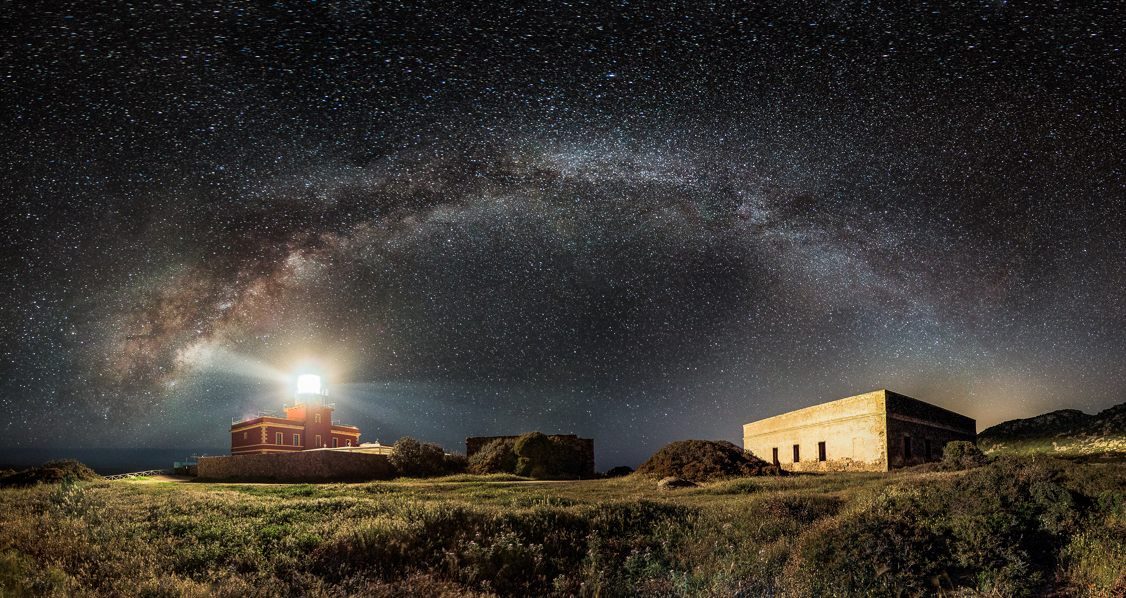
[(1066, 431)]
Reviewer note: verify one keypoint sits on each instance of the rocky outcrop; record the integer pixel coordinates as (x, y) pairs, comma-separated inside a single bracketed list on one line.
[(1067, 431)]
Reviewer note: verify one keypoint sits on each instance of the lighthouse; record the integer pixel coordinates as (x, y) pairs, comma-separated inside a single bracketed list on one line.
[(307, 424)]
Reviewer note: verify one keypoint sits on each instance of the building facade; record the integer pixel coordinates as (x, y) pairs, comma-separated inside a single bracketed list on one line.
[(875, 431), (307, 424)]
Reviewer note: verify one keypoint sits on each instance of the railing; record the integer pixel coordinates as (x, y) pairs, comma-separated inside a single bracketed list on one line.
[(138, 474), (236, 420)]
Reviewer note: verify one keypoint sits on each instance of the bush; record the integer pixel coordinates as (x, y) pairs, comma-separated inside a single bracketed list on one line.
[(541, 456), (534, 452), (51, 472), (703, 460), (417, 459), (454, 463), (497, 456), (532, 455), (619, 471), (960, 454), (997, 530)]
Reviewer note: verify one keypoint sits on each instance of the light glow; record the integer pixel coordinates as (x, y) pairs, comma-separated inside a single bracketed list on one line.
[(308, 384)]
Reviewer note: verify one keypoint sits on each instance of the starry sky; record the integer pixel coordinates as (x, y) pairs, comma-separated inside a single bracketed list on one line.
[(633, 221)]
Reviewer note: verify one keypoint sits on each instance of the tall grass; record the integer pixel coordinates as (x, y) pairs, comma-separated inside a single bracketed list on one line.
[(1017, 526)]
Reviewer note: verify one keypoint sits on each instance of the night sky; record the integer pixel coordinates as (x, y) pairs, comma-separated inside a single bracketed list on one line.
[(635, 221)]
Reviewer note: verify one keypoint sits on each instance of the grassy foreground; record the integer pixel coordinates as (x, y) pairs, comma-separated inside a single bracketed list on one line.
[(1020, 526)]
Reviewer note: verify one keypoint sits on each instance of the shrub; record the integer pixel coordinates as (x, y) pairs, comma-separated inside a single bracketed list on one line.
[(504, 563), (497, 456), (619, 471), (1093, 558), (20, 575), (417, 459), (997, 530), (703, 460), (50, 472), (532, 455), (454, 463), (960, 454), (534, 452)]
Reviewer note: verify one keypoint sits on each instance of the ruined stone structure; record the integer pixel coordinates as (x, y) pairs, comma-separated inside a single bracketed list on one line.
[(874, 431)]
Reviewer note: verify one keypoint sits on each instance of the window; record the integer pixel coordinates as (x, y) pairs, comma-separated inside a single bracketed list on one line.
[(927, 449), (335, 442), (316, 418), (774, 452), (244, 435), (348, 442), (317, 441), (278, 438), (797, 455), (296, 440), (906, 448), (821, 451)]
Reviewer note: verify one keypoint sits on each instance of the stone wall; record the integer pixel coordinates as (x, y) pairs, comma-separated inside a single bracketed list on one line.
[(305, 466), (918, 431), (853, 430)]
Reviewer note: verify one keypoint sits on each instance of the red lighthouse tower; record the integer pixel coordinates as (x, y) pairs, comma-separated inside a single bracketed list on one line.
[(307, 425)]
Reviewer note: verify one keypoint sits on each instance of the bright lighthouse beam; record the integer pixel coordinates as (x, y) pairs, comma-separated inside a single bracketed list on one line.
[(308, 384)]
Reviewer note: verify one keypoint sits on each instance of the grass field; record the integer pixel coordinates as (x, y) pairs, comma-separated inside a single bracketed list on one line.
[(1020, 526)]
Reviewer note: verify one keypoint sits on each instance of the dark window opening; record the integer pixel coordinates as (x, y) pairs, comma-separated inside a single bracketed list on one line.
[(775, 451), (906, 447), (927, 449), (821, 451), (797, 455)]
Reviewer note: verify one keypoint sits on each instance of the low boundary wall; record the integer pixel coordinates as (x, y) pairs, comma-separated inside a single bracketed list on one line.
[(304, 466)]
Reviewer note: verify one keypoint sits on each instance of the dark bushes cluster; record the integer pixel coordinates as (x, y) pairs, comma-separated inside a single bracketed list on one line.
[(498, 456), (704, 460), (49, 473), (960, 454), (527, 552), (412, 458), (534, 455), (996, 529)]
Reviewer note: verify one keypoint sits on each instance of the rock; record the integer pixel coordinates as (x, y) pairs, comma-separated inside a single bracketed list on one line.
[(671, 483)]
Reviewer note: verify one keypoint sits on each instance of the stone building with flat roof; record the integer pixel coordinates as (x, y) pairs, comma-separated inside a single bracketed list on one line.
[(874, 431)]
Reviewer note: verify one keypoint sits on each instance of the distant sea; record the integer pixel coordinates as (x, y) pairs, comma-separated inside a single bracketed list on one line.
[(106, 461)]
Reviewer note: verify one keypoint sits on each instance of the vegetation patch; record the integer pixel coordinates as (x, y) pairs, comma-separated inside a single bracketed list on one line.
[(704, 460), (1010, 527), (51, 472), (532, 455)]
